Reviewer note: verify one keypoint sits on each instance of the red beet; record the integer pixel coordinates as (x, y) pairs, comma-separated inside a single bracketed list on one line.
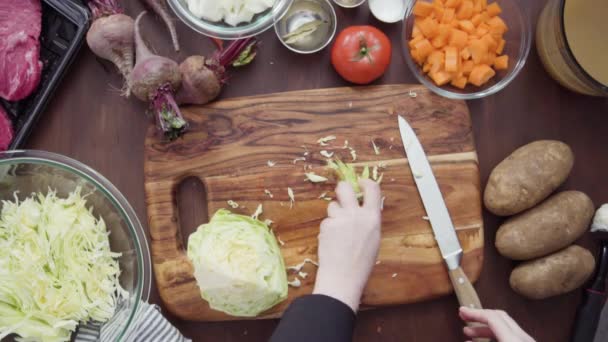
[(202, 77), (111, 35), (154, 79)]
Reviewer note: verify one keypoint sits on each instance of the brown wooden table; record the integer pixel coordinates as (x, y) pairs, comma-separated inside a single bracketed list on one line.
[(89, 121)]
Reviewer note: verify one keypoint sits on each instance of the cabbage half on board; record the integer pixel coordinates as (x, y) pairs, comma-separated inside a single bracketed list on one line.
[(238, 264)]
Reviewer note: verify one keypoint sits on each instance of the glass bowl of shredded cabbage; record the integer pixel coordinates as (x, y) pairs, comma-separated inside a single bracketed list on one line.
[(230, 19), (74, 257)]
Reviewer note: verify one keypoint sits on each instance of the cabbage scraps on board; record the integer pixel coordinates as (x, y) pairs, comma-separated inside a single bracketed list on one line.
[(56, 268), (238, 264)]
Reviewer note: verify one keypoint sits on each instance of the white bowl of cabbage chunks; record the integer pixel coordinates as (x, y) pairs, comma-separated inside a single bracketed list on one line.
[(230, 19), (72, 251)]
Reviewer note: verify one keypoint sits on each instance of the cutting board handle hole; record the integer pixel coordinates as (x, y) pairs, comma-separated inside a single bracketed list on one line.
[(192, 206)]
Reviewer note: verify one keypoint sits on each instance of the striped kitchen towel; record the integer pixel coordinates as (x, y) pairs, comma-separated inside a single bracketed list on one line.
[(149, 325)]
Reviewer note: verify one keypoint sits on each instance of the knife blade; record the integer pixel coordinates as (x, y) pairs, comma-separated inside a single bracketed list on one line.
[(438, 215), (432, 199)]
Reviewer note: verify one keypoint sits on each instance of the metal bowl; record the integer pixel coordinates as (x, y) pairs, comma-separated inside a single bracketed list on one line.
[(308, 26), (260, 22)]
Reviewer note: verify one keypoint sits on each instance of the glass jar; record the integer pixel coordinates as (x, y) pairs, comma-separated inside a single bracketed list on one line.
[(575, 66)]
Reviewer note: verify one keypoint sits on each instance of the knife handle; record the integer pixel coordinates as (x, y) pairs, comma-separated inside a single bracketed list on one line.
[(466, 294)]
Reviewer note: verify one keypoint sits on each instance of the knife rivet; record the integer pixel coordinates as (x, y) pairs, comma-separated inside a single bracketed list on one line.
[(460, 280)]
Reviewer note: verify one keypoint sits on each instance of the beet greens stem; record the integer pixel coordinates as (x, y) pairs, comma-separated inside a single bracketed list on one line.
[(234, 50), (169, 118), (102, 8)]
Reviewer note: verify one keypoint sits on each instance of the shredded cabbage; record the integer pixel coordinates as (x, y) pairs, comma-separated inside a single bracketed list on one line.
[(238, 264), (56, 268)]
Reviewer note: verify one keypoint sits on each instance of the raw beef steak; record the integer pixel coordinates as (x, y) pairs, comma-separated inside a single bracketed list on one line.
[(20, 66), (6, 130)]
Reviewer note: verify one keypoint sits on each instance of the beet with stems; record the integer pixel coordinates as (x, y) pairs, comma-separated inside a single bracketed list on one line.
[(154, 79), (111, 35), (160, 8), (202, 77)]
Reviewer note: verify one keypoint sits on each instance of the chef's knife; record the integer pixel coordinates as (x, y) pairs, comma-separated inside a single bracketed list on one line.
[(438, 215)]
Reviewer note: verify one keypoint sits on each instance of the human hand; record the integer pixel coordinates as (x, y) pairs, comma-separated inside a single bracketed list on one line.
[(348, 243), (498, 325)]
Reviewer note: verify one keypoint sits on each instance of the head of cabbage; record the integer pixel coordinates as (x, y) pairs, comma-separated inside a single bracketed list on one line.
[(238, 264)]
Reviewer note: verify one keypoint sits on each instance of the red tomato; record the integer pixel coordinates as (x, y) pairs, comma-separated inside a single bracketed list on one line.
[(361, 54)]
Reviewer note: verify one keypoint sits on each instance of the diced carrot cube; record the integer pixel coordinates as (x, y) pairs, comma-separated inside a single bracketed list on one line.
[(492, 44), (413, 41), (444, 30), (481, 74), (476, 7), (501, 62), (497, 32), (467, 26), (426, 67), (484, 4), (465, 11), (497, 22), (424, 48), (480, 18), (458, 38), (416, 32), (465, 53), (416, 56), (494, 9), (482, 30), (436, 59), (442, 36), (467, 67), (451, 59), (429, 27), (459, 82), (452, 3), (448, 15), (438, 9), (439, 41), (490, 57), (441, 77), (479, 50), (501, 46), (422, 8)]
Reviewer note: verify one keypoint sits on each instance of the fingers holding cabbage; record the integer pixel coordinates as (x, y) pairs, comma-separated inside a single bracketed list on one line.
[(238, 264)]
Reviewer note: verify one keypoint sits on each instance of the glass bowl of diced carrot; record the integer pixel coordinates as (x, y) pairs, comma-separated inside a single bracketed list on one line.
[(466, 49)]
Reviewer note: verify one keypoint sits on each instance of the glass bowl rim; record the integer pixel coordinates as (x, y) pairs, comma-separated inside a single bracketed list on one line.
[(253, 28), (114, 196)]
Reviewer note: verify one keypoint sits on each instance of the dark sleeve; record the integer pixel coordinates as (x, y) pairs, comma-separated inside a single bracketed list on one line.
[(316, 318)]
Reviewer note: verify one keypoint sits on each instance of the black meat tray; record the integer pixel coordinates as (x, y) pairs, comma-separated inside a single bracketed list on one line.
[(64, 25)]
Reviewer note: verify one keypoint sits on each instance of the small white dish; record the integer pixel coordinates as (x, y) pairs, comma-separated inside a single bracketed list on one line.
[(388, 11)]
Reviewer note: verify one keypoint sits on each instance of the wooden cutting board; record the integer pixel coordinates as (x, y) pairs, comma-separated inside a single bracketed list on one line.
[(231, 141)]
